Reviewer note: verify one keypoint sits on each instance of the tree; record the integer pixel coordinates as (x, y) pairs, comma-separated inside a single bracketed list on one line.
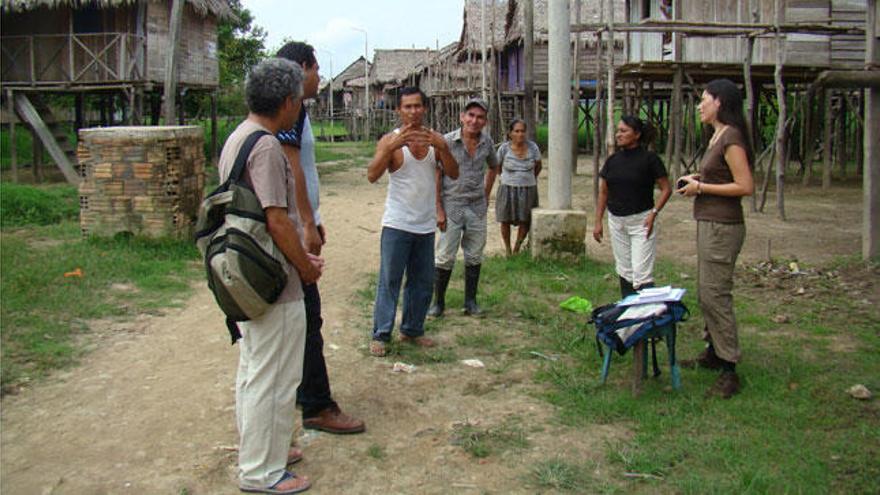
[(240, 45)]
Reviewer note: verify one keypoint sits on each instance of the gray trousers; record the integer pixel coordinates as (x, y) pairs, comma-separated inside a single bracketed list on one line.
[(718, 246), (465, 226)]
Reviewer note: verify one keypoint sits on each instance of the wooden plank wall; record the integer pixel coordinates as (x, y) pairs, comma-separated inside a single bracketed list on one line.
[(801, 49), (198, 50), (848, 51)]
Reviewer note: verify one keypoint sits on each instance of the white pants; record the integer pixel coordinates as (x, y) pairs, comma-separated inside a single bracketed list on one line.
[(633, 253), (270, 368)]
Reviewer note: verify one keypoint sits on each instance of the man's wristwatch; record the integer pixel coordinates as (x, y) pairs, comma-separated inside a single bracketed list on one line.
[(655, 211)]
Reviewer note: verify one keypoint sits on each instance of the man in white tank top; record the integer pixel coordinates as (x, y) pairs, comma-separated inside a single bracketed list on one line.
[(411, 154)]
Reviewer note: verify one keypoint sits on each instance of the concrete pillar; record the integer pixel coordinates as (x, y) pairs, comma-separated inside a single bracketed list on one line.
[(871, 172), (559, 230), (560, 105)]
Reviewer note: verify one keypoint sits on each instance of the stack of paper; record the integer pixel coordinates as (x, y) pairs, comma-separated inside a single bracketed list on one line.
[(654, 295)]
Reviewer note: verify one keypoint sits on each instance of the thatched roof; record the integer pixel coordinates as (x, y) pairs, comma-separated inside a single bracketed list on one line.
[(496, 13), (393, 66), (217, 8), (353, 71), (438, 56)]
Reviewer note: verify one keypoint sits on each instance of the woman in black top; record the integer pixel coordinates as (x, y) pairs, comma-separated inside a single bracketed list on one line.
[(626, 188)]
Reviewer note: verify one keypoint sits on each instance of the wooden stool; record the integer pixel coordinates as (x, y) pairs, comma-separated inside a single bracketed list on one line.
[(640, 370)]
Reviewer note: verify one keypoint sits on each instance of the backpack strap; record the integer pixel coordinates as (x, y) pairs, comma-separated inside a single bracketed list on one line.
[(234, 332), (243, 153), (235, 177)]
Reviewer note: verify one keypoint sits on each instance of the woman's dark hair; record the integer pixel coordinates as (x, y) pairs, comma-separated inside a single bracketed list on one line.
[(731, 111), (646, 131), (512, 124)]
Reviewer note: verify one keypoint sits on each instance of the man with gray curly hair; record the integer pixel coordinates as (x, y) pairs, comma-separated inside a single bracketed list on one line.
[(271, 352)]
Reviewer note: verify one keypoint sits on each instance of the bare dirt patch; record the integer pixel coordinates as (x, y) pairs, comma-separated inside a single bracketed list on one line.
[(150, 409)]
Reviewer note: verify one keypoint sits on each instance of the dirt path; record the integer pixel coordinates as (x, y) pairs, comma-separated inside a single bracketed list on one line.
[(150, 410)]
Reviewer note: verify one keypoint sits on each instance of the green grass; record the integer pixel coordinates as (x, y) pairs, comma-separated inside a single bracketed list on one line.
[(482, 442), (376, 451), (559, 474), (44, 205), (43, 311), (792, 429)]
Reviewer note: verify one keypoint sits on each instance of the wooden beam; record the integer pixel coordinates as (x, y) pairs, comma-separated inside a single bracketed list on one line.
[(29, 114), (173, 50), (849, 79), (718, 28)]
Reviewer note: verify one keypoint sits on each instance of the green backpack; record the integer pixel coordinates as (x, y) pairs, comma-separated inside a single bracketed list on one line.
[(246, 270)]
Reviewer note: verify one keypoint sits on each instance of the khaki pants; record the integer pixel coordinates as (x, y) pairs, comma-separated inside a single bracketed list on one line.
[(270, 366), (718, 245)]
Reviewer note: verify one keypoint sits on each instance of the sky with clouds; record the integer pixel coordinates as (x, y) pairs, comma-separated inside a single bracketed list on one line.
[(335, 27)]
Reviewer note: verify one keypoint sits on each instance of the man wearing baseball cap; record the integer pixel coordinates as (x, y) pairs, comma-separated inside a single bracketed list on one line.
[(462, 204)]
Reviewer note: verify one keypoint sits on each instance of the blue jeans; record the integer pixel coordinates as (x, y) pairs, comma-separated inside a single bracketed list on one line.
[(401, 252)]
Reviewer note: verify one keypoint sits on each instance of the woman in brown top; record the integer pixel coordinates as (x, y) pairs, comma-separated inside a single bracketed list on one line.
[(725, 177)]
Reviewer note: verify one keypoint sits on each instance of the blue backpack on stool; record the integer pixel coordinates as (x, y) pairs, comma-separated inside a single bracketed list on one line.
[(622, 333), (608, 322)]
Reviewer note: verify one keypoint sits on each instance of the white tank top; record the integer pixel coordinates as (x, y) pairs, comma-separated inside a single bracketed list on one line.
[(411, 202)]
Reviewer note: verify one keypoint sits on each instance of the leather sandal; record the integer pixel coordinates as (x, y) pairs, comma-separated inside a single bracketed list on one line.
[(288, 484)]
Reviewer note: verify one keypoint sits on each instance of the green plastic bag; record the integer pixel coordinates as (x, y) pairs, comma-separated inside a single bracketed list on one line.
[(577, 304)]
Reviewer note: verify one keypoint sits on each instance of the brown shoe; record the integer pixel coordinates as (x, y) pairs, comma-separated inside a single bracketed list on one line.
[(726, 386), (706, 359), (377, 348), (333, 420), (420, 341)]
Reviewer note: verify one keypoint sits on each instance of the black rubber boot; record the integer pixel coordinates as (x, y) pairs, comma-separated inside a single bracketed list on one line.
[(471, 281), (626, 288), (646, 285), (441, 282)]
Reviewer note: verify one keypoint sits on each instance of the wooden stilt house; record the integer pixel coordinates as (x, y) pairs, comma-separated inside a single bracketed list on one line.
[(111, 50)]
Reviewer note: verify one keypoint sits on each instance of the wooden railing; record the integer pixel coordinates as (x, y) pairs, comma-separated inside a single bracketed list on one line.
[(72, 59)]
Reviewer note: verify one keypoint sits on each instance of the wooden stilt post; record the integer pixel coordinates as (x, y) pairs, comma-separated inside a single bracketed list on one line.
[(609, 122), (13, 148), (826, 140), (780, 122), (172, 54), (78, 112), (575, 90), (37, 154), (597, 116), (675, 123), (529, 72), (213, 151), (840, 137), (811, 124), (859, 134), (750, 94)]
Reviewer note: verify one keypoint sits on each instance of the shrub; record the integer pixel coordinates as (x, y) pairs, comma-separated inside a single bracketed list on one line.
[(32, 205)]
